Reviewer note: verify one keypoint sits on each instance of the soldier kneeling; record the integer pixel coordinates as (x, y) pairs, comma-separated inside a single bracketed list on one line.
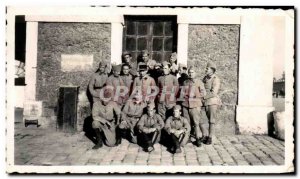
[(178, 129), (132, 112), (150, 126), (106, 115)]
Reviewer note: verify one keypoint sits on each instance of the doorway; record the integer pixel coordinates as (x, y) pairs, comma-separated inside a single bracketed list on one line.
[(157, 34)]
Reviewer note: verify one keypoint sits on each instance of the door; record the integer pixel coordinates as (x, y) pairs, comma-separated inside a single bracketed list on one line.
[(157, 34)]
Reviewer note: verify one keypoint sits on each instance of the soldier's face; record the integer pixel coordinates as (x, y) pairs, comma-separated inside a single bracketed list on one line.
[(150, 112), (176, 113), (192, 74), (145, 57), (127, 58), (102, 69), (209, 71), (143, 73), (173, 59), (166, 69), (116, 73), (126, 70)]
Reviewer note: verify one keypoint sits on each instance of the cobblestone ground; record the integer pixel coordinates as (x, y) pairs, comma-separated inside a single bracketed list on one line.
[(36, 146)]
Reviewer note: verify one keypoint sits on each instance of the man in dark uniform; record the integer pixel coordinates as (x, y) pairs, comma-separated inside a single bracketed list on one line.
[(144, 84), (127, 57), (212, 85), (168, 88), (127, 79), (150, 126), (106, 116), (194, 93), (178, 129)]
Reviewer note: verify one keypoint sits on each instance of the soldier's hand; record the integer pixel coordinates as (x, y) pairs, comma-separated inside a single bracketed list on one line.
[(153, 129)]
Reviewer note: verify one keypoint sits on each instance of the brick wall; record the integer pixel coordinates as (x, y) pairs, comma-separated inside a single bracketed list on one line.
[(218, 43), (55, 39)]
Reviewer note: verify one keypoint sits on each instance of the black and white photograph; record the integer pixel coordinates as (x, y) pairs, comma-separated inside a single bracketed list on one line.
[(123, 89)]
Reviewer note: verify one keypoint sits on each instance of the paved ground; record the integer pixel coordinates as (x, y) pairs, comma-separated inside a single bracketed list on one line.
[(37, 146)]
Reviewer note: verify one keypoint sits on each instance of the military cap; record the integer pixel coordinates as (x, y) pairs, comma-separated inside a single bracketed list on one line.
[(177, 107), (211, 64), (151, 105), (142, 66), (174, 54), (116, 68)]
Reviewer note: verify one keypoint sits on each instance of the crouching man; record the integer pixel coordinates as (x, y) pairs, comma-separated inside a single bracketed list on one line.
[(132, 112), (106, 115), (178, 129), (150, 126)]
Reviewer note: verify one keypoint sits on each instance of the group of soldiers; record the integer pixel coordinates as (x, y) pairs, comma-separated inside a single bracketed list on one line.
[(148, 102)]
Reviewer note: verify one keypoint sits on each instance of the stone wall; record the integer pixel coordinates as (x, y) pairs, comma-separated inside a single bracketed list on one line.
[(55, 39), (218, 43)]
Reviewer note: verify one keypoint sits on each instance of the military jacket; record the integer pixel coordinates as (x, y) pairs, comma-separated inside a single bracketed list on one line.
[(212, 86)]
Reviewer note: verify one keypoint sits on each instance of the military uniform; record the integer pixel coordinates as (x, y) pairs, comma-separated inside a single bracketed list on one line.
[(128, 81), (180, 123), (192, 104), (116, 82), (133, 68), (131, 114), (150, 129), (168, 88), (144, 83), (97, 82), (211, 99), (106, 118)]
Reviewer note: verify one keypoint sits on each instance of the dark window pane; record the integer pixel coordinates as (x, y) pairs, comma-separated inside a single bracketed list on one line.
[(130, 28), (168, 44), (130, 43), (157, 56), (142, 28), (157, 44), (158, 28), (142, 43), (168, 28)]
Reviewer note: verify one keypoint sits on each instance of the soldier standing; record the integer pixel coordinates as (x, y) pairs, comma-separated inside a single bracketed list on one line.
[(144, 83), (194, 93), (182, 70), (211, 99), (106, 116), (98, 81), (168, 88), (173, 62), (127, 79), (132, 112), (132, 65), (178, 129), (150, 126), (116, 85)]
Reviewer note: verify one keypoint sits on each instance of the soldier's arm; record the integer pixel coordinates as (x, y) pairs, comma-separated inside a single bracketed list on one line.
[(214, 90), (160, 123), (91, 87), (124, 112), (167, 126), (187, 126), (176, 85), (141, 123)]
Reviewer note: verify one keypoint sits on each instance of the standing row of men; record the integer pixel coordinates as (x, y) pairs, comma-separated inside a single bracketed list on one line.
[(147, 101)]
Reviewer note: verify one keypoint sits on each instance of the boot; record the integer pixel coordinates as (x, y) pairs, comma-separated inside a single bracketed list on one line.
[(99, 140), (119, 134), (198, 142), (208, 141)]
